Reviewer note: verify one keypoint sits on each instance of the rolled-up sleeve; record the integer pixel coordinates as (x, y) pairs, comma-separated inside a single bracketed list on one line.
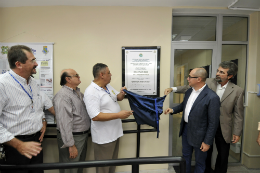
[(46, 101)]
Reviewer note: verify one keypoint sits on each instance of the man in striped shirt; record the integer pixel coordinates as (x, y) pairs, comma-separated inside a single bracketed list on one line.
[(22, 123), (72, 120)]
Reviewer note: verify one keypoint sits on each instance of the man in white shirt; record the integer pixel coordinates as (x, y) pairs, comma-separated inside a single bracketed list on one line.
[(105, 113), (231, 110), (200, 119), (47, 103), (22, 122)]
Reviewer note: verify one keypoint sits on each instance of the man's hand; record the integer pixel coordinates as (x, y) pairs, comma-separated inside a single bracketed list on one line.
[(28, 149), (235, 139), (73, 152), (121, 94), (125, 114), (121, 90), (168, 111), (167, 91), (43, 130), (204, 147), (258, 138)]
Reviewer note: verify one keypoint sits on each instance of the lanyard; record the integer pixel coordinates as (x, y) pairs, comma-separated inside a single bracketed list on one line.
[(31, 97), (107, 91)]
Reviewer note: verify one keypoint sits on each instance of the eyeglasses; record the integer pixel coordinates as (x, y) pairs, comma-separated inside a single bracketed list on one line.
[(191, 77), (221, 72), (76, 75)]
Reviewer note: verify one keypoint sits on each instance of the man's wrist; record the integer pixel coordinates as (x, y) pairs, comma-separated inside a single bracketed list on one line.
[(43, 120)]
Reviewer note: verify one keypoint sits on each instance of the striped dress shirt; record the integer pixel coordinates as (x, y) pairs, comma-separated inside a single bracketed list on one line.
[(71, 114), (18, 115)]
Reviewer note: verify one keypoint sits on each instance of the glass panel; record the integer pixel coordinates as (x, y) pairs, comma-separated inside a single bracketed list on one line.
[(184, 61), (234, 29), (237, 54), (194, 28)]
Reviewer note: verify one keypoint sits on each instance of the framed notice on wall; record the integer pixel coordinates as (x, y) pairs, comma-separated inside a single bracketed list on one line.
[(141, 70)]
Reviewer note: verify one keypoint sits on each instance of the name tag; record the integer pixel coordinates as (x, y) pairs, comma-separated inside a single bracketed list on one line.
[(32, 110)]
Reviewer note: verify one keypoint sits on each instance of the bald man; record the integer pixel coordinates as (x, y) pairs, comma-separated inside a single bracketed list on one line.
[(73, 121), (199, 121)]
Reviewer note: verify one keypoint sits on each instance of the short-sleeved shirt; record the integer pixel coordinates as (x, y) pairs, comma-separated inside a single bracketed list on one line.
[(98, 100), (46, 102)]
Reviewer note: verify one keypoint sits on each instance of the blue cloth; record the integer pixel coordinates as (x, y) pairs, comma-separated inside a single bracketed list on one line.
[(146, 110)]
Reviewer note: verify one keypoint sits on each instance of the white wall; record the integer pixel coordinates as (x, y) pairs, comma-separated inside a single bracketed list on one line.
[(84, 36)]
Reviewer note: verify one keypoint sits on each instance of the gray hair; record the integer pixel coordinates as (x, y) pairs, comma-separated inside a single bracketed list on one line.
[(231, 66), (97, 68)]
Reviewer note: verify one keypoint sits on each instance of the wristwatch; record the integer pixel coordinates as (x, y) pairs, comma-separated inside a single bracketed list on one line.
[(43, 120)]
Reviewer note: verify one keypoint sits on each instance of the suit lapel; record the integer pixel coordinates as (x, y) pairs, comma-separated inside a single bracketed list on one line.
[(187, 95), (200, 97), (228, 90), (212, 84)]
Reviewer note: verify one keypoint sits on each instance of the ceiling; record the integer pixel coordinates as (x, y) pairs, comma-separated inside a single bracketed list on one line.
[(162, 3)]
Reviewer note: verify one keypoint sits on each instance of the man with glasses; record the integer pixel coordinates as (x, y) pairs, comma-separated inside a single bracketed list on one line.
[(22, 121), (72, 120), (231, 98), (105, 113), (199, 121)]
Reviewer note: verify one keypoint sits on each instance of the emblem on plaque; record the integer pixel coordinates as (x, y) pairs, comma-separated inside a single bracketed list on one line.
[(45, 50), (4, 49)]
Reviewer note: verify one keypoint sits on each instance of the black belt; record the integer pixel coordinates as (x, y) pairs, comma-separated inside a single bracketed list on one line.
[(27, 136), (78, 133)]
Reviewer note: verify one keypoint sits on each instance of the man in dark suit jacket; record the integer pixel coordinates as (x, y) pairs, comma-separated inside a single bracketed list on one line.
[(231, 113), (199, 121)]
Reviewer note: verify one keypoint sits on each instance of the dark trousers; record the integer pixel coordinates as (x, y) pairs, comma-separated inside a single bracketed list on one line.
[(13, 157), (223, 153), (187, 150)]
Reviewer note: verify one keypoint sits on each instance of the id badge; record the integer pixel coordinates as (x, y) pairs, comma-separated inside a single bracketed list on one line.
[(32, 110)]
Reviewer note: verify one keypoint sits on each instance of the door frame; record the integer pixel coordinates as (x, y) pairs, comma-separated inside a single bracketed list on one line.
[(215, 60)]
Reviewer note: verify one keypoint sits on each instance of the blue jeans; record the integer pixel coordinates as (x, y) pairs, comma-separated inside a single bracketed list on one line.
[(187, 149)]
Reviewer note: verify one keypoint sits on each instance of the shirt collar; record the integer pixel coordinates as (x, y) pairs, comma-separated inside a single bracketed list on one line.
[(20, 78), (199, 90), (224, 87), (68, 88), (96, 86)]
